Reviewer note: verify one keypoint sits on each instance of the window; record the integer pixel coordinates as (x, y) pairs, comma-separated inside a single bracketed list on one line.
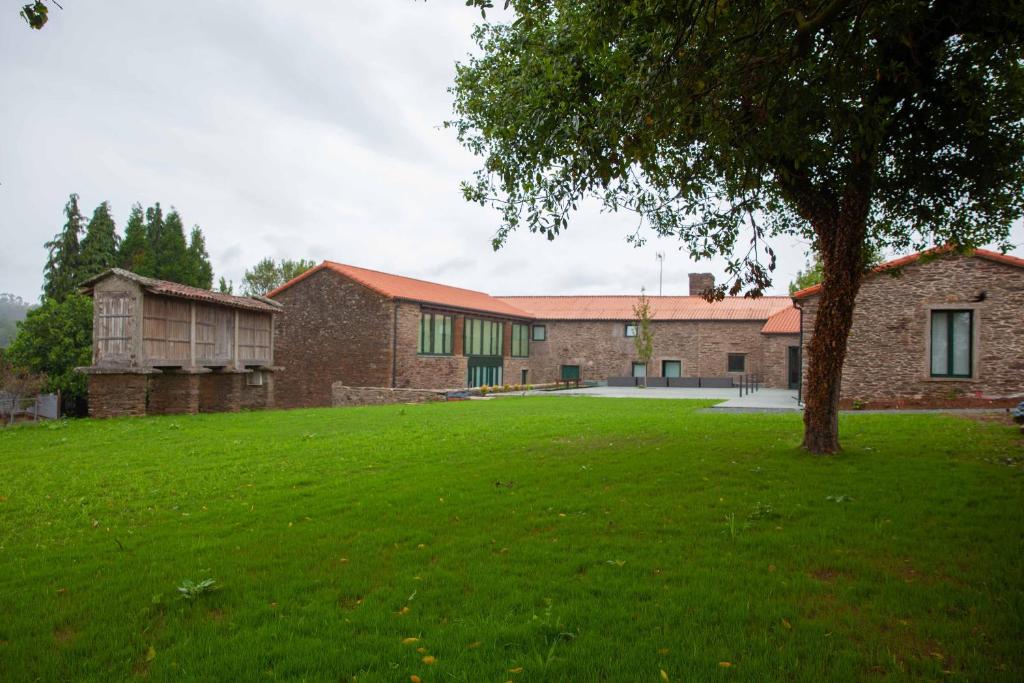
[(520, 341), (639, 369), (435, 334), (483, 337), (254, 378), (540, 333), (952, 343), (630, 329), (737, 362), (671, 368)]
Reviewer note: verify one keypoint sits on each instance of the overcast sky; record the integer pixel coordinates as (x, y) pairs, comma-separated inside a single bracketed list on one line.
[(307, 130)]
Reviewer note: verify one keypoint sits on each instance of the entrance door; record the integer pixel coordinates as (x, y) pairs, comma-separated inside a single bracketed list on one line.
[(485, 371), (794, 367)]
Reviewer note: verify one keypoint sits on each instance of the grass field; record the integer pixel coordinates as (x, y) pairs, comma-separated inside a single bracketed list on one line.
[(523, 539)]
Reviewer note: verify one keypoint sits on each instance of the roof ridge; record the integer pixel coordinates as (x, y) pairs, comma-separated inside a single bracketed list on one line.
[(408, 277), (939, 250)]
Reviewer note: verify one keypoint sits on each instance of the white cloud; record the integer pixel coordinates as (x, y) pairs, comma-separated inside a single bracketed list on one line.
[(285, 133)]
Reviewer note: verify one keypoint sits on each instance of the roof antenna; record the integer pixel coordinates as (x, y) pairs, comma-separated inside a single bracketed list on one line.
[(661, 268)]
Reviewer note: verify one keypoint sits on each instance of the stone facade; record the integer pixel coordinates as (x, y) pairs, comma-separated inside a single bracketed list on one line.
[(888, 349), (169, 393), (342, 395), (602, 349), (331, 329), (221, 392)]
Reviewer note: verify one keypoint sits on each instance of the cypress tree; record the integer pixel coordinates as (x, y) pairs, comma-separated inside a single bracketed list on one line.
[(200, 272), (99, 247), (171, 250), (134, 248), (154, 237), (61, 274)]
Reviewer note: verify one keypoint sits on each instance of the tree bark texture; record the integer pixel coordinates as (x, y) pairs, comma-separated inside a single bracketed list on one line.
[(842, 253)]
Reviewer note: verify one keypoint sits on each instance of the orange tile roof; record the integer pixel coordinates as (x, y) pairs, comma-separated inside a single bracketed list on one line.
[(786, 321), (411, 289), (912, 258), (176, 289), (662, 307)]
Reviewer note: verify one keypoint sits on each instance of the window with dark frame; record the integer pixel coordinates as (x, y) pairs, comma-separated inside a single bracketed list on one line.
[(520, 341), (630, 329), (672, 369), (639, 370), (952, 343), (737, 362), (483, 337), (540, 333), (435, 334)]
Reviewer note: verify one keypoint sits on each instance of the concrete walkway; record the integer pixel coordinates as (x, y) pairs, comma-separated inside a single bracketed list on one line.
[(763, 400)]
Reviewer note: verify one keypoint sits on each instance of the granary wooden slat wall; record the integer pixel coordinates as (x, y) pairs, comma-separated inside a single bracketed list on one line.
[(215, 335), (254, 334), (114, 330), (166, 331)]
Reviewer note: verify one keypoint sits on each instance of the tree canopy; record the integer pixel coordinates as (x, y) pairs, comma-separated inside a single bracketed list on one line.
[(269, 274), (723, 124)]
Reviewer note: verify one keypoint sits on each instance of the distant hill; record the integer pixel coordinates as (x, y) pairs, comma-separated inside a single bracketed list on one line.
[(12, 309)]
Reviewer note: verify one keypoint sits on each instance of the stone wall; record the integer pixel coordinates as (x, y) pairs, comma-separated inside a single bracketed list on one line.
[(887, 351), (220, 392), (259, 397), (602, 350), (120, 395), (331, 329), (775, 351), (363, 396), (172, 393)]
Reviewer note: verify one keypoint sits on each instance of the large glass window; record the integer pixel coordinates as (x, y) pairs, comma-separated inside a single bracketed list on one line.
[(671, 368), (483, 337), (952, 341), (639, 369), (435, 334), (520, 340)]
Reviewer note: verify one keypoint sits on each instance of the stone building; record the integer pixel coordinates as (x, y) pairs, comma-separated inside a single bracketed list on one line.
[(365, 328), (161, 347), (931, 328)]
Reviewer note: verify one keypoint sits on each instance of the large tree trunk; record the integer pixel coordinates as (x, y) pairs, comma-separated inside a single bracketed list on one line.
[(842, 252)]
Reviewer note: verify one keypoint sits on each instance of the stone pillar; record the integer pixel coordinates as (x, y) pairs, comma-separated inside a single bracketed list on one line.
[(174, 392), (220, 392), (700, 282), (117, 395)]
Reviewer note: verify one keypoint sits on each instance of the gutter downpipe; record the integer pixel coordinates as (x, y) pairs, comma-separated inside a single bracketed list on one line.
[(800, 384), (394, 345)]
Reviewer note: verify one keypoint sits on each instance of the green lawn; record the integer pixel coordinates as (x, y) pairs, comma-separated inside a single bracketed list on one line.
[(523, 539)]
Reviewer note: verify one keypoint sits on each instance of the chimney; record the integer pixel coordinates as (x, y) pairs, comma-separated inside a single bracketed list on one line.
[(700, 282)]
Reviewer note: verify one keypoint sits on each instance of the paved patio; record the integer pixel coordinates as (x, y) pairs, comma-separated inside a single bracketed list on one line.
[(763, 400)]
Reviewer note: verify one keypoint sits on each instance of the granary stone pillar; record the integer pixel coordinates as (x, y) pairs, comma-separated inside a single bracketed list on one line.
[(221, 392), (117, 394), (173, 393)]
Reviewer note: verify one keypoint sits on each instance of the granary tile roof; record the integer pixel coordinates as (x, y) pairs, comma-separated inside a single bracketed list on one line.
[(913, 258), (411, 289), (662, 307), (175, 289), (786, 321)]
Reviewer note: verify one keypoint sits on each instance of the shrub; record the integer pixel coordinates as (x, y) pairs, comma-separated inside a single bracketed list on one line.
[(484, 389)]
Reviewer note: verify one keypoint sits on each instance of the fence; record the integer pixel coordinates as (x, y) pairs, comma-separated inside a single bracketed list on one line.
[(31, 407)]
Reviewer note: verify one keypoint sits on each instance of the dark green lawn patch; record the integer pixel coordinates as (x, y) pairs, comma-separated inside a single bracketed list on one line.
[(574, 538)]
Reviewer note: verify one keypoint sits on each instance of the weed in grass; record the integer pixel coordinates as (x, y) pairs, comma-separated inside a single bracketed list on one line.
[(190, 590)]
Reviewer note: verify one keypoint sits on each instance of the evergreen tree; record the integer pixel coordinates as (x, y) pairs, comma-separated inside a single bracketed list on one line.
[(154, 236), (61, 274), (99, 247), (171, 251), (226, 286), (200, 272), (134, 250)]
